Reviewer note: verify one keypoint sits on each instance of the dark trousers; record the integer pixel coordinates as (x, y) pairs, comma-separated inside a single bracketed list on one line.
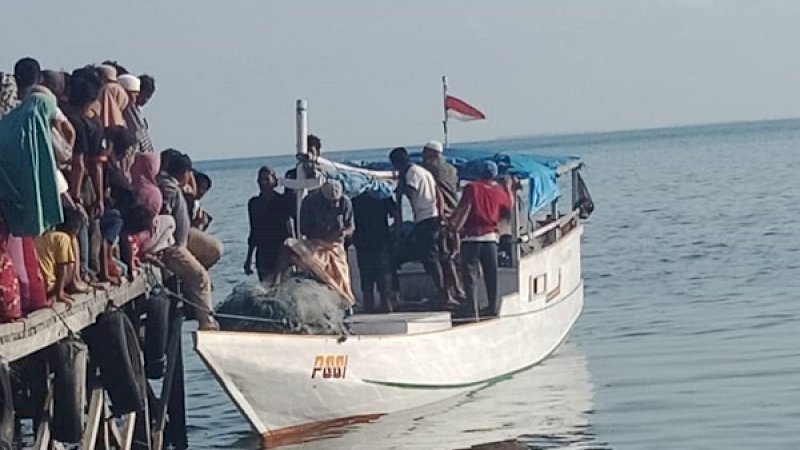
[(374, 268), (477, 257), (266, 262), (425, 237), (448, 254)]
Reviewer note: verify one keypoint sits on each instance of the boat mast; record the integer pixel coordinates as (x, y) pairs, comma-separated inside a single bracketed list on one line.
[(302, 153), (444, 106)]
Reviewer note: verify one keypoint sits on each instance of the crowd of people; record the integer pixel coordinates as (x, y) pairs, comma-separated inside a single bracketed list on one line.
[(455, 233), (85, 198)]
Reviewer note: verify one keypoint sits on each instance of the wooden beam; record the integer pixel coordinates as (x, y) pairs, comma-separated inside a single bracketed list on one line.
[(112, 426), (43, 434), (173, 353), (127, 434), (175, 431), (95, 417)]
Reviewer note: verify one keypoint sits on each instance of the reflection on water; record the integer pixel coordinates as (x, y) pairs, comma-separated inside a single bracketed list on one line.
[(545, 407)]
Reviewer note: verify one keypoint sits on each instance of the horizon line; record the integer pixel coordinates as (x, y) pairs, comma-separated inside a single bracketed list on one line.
[(546, 135)]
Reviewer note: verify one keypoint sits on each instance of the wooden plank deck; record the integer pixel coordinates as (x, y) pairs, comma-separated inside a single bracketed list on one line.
[(45, 327)]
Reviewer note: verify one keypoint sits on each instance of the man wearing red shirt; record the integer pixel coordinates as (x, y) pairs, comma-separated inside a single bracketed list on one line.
[(477, 217)]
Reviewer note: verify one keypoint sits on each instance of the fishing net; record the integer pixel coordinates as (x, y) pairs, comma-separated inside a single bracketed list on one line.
[(296, 306)]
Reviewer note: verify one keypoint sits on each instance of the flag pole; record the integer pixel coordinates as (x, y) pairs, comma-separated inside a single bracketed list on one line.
[(444, 106), (302, 153)]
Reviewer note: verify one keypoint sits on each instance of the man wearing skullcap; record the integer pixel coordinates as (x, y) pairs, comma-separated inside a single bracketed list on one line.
[(477, 217), (446, 176), (133, 113)]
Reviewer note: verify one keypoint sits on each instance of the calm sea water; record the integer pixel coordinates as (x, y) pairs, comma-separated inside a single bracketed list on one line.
[(691, 333)]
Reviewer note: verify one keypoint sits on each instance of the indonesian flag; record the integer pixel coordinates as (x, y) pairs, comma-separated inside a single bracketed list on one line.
[(461, 110)]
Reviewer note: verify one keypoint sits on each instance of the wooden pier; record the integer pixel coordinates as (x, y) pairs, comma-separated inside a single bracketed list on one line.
[(25, 352)]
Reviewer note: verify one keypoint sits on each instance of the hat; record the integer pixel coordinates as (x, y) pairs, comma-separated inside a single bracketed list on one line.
[(435, 146), (488, 170), (332, 190), (108, 71), (131, 83)]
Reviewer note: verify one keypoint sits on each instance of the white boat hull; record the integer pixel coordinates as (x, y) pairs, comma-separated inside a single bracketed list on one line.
[(287, 384)]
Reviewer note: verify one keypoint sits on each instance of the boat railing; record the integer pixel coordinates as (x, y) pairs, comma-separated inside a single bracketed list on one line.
[(557, 225)]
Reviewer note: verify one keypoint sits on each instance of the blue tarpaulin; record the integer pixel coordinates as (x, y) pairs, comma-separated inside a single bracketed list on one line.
[(539, 170), (355, 184)]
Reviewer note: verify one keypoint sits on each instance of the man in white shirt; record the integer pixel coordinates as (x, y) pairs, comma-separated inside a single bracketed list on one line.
[(416, 183)]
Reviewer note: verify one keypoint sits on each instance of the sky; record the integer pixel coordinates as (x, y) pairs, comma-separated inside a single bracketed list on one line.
[(228, 73)]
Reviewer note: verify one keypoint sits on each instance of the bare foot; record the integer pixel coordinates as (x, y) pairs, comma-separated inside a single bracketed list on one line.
[(98, 285), (112, 279), (79, 287), (66, 299), (209, 327)]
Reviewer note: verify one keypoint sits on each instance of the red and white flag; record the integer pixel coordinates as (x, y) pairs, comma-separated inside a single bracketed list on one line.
[(461, 110)]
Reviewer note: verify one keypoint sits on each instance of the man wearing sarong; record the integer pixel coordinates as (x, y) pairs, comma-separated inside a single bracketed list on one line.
[(326, 220)]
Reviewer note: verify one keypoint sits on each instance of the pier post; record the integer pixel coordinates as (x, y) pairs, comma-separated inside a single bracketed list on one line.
[(175, 432), (172, 390)]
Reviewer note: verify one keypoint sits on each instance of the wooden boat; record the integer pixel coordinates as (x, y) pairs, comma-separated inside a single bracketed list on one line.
[(290, 385)]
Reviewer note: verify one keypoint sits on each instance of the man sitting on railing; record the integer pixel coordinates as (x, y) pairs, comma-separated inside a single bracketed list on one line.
[(477, 217), (326, 220)]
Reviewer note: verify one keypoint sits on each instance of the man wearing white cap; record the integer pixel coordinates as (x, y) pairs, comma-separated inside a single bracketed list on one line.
[(326, 220), (132, 114), (446, 176)]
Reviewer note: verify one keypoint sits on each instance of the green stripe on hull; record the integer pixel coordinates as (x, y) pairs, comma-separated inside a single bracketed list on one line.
[(495, 379)]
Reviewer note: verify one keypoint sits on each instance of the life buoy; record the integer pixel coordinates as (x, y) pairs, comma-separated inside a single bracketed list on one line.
[(68, 358), (155, 335), (6, 408), (114, 347)]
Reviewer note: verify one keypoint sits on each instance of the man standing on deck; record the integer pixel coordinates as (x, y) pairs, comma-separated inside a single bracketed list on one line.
[(419, 186), (446, 176), (270, 213), (477, 217), (373, 242)]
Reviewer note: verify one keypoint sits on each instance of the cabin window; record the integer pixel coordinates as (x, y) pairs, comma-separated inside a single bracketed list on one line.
[(556, 290), (538, 286)]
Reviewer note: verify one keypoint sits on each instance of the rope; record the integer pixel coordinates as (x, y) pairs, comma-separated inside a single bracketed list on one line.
[(213, 313), (71, 331), (250, 318)]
